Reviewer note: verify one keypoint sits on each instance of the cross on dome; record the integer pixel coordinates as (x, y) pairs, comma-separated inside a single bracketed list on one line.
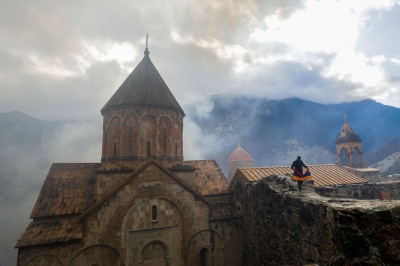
[(146, 51)]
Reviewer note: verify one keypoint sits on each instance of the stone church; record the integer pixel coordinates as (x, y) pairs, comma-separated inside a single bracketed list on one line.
[(145, 205)]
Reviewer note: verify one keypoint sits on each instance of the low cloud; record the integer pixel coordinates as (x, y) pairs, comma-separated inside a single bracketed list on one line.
[(23, 171)]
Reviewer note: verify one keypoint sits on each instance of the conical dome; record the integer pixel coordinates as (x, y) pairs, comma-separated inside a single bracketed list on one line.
[(240, 155), (143, 87), (347, 134), (142, 119)]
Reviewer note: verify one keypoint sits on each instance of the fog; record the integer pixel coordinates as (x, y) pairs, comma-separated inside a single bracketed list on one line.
[(25, 164)]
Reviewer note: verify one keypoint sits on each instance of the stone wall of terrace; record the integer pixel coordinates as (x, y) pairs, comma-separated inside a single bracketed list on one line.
[(282, 226)]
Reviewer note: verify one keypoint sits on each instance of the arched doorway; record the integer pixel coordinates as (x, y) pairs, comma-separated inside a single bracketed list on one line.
[(204, 257), (155, 254)]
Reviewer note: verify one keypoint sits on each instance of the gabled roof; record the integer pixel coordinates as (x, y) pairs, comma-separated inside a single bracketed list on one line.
[(68, 189), (127, 179), (66, 193), (323, 174), (46, 231), (143, 87), (208, 176)]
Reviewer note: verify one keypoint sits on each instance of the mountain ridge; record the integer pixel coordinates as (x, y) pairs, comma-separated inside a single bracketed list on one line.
[(268, 128)]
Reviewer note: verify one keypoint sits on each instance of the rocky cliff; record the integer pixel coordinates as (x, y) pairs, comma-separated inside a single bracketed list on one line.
[(284, 227)]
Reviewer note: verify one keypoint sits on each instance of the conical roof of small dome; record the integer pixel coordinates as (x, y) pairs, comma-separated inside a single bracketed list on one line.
[(347, 134), (143, 87), (240, 155)]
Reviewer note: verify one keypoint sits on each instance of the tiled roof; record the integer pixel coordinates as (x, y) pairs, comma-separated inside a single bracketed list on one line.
[(68, 189), (51, 231), (240, 155), (323, 174), (208, 176), (143, 87)]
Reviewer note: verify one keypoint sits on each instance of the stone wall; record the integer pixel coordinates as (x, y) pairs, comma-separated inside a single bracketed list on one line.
[(136, 133), (383, 191), (152, 218), (48, 254), (284, 227), (371, 174)]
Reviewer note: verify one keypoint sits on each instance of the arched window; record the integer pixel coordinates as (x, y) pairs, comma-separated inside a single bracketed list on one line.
[(154, 213), (130, 140), (105, 143), (148, 149), (165, 141), (114, 130)]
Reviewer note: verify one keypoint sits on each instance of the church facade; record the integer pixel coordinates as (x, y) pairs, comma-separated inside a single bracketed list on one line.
[(143, 204)]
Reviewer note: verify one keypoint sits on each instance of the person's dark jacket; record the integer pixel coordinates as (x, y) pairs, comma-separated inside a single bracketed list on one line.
[(298, 165)]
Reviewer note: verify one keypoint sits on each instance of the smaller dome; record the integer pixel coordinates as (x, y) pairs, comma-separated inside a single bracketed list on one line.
[(240, 155)]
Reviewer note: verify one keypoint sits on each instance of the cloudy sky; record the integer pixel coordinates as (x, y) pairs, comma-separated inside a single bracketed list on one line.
[(63, 59)]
